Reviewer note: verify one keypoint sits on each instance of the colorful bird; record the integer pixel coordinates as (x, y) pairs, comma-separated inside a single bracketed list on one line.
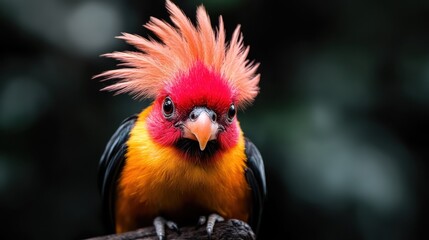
[(184, 159)]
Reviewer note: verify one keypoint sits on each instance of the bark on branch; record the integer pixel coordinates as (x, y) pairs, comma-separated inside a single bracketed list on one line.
[(229, 229)]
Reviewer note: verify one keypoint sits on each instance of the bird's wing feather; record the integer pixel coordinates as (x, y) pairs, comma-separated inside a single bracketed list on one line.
[(110, 165), (255, 175)]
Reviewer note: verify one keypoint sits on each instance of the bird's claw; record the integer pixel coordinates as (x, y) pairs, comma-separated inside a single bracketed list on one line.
[(211, 220), (159, 223), (201, 221)]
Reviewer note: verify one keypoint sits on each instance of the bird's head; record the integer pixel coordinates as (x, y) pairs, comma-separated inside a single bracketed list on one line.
[(197, 80), (196, 112)]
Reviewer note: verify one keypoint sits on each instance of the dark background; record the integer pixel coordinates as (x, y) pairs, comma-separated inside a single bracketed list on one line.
[(341, 120)]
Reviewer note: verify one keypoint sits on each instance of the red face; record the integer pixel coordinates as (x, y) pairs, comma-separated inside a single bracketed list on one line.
[(197, 110)]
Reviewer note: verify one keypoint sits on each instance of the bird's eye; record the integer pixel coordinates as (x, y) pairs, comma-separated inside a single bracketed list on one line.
[(167, 107), (231, 113)]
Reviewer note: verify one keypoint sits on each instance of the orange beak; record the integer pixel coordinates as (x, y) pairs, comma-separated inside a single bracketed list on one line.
[(200, 127)]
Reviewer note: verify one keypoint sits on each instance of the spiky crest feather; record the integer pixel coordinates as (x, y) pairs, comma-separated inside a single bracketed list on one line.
[(147, 72)]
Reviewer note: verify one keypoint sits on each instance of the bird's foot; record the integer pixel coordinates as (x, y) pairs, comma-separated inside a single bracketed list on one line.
[(159, 223), (211, 220)]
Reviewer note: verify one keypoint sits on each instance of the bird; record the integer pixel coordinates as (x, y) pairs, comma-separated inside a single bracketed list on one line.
[(184, 158)]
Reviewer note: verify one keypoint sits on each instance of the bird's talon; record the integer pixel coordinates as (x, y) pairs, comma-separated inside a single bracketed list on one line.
[(212, 219), (201, 221), (173, 226), (160, 223)]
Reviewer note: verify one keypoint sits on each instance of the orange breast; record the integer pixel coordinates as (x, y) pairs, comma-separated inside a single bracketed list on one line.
[(157, 180)]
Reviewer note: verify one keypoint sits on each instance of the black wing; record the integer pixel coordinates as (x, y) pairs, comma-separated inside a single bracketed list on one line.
[(110, 166), (255, 175)]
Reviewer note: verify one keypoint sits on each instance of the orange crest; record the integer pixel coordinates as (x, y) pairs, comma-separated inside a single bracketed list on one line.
[(182, 44)]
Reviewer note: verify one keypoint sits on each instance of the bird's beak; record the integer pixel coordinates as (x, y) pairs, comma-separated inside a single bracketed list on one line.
[(201, 126)]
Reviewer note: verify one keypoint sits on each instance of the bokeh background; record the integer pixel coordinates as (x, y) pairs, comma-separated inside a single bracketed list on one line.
[(341, 120)]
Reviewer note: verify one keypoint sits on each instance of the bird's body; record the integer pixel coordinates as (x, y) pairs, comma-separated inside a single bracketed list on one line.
[(176, 188), (184, 156)]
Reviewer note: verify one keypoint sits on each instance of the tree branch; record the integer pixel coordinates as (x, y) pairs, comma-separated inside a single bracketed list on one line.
[(229, 229)]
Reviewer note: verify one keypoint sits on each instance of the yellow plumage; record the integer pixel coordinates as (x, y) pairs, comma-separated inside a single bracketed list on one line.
[(158, 180)]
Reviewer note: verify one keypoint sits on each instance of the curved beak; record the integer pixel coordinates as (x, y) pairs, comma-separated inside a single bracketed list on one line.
[(201, 126)]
